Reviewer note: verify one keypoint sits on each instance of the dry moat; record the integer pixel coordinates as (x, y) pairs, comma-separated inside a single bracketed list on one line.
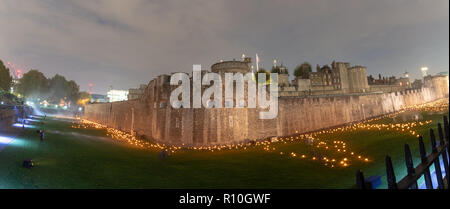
[(80, 154)]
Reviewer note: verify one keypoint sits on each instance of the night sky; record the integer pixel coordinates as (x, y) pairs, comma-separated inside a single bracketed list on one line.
[(126, 43)]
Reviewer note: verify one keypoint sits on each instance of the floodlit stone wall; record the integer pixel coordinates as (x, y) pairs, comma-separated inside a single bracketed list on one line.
[(6, 119), (10, 113), (153, 118)]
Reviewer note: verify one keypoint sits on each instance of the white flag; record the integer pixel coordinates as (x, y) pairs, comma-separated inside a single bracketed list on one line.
[(257, 63)]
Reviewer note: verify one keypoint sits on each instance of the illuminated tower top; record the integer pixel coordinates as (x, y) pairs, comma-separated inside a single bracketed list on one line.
[(424, 71)]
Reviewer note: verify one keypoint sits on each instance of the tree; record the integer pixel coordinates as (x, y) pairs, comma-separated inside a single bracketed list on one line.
[(84, 98), (73, 91), (84, 95), (61, 89), (57, 88), (33, 84), (5, 77), (303, 70)]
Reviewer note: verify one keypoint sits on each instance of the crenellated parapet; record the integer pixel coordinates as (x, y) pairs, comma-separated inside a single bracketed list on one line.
[(232, 66), (342, 100)]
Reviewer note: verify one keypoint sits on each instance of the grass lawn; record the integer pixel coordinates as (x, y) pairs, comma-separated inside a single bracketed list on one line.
[(87, 158)]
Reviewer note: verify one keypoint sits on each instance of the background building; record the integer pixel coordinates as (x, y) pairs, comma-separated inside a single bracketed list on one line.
[(350, 99), (136, 93), (283, 74), (96, 98), (445, 74), (117, 95), (340, 78), (417, 84)]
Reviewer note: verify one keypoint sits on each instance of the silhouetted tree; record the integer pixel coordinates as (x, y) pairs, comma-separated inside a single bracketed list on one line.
[(84, 98), (5, 77), (33, 84), (60, 88), (73, 91)]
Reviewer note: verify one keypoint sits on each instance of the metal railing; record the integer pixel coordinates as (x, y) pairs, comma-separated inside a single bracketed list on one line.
[(423, 169)]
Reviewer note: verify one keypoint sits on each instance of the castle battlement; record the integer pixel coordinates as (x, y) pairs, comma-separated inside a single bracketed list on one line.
[(153, 119), (232, 66), (332, 96)]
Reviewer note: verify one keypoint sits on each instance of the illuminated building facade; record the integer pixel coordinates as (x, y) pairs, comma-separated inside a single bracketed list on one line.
[(117, 95)]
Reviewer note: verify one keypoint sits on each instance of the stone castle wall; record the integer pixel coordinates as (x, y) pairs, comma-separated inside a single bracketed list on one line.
[(151, 117), (9, 114), (6, 119)]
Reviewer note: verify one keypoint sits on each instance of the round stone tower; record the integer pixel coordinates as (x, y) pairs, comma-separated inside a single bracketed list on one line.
[(233, 66)]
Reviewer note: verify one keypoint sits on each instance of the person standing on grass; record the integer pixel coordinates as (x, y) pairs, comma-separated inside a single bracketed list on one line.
[(42, 134)]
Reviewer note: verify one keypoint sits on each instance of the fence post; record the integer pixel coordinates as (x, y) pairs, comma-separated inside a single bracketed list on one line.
[(437, 163), (360, 182), (410, 165), (447, 137), (446, 129), (444, 152), (392, 182), (423, 156), (433, 141)]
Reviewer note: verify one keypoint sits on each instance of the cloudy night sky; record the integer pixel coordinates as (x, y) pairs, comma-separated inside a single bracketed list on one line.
[(126, 43)]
